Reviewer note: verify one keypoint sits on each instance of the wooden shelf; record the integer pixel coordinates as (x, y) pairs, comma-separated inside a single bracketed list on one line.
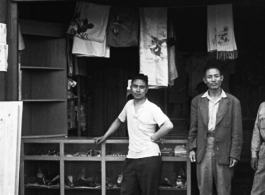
[(164, 158), (126, 141), (81, 188), (31, 27), (103, 165), (38, 158), (160, 188), (82, 158), (43, 80), (44, 118), (41, 85), (113, 158), (40, 68), (43, 100), (117, 141), (41, 187)]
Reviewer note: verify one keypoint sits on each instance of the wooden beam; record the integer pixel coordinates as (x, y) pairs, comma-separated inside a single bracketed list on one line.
[(156, 3), (9, 79), (3, 19), (12, 41)]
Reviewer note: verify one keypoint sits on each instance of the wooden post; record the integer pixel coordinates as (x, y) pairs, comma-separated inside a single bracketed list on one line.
[(103, 169), (3, 19), (21, 171), (9, 79), (62, 175), (78, 106), (12, 41)]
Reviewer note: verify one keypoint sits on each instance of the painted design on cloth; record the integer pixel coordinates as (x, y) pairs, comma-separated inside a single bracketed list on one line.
[(157, 44), (220, 32), (153, 46), (221, 37), (89, 22), (79, 26)]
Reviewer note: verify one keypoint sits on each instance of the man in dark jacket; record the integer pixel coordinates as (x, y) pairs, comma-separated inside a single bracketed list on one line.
[(215, 136)]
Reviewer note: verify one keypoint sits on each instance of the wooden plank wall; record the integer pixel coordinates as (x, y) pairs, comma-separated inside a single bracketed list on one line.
[(10, 136)]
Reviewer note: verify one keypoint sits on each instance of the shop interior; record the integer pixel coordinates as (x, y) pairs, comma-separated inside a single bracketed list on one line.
[(79, 97)]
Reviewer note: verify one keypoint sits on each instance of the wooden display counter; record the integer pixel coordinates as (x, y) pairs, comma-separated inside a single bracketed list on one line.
[(79, 166)]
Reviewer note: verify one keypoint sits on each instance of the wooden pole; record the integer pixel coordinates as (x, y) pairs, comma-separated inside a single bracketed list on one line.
[(9, 79), (12, 41), (3, 19)]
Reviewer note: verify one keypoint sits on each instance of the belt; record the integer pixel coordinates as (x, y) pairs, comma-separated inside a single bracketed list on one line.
[(210, 134)]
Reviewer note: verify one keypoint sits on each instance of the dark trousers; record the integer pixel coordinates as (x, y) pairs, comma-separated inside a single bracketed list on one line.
[(141, 176)]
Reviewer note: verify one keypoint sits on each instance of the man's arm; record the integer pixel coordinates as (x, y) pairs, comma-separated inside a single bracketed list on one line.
[(237, 132), (113, 127), (164, 129), (255, 141), (192, 137)]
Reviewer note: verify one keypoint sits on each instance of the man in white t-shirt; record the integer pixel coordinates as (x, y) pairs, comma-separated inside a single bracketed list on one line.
[(142, 167)]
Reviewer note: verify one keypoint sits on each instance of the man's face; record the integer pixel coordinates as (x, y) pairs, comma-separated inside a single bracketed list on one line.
[(139, 89), (213, 79)]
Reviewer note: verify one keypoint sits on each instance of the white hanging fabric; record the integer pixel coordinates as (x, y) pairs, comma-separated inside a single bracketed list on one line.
[(220, 34), (172, 67), (89, 29), (153, 46)]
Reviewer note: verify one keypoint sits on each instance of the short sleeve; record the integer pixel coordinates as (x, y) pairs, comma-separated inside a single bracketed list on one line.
[(123, 115), (159, 116)]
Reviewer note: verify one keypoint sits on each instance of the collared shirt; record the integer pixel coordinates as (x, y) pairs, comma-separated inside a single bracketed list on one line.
[(259, 131), (141, 126), (213, 108)]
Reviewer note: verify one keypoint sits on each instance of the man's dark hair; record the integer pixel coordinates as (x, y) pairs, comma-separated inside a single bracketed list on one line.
[(213, 65), (141, 77)]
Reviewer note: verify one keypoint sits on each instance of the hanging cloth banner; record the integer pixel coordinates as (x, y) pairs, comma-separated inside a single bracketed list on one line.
[(153, 46), (21, 44), (3, 48), (122, 30), (2, 33), (3, 57), (88, 27), (220, 35), (172, 68), (89, 21), (87, 48)]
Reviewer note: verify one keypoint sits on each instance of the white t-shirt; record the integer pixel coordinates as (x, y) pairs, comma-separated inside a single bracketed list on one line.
[(141, 126)]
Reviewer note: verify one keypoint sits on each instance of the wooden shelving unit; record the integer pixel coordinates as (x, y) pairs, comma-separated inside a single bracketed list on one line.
[(43, 79), (66, 163)]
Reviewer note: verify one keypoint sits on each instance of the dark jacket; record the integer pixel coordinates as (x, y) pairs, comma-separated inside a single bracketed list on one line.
[(228, 130)]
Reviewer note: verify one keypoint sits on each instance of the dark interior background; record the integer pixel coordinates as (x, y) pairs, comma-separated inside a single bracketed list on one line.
[(190, 22)]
